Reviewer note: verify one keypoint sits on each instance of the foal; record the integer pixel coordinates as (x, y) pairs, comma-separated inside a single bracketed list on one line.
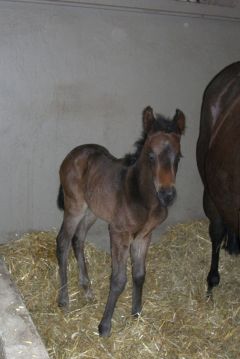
[(131, 194)]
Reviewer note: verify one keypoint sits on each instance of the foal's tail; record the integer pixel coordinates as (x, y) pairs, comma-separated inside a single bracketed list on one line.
[(60, 198)]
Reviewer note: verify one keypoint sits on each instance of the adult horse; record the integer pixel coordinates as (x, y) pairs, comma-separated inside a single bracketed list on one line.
[(218, 159), (131, 194)]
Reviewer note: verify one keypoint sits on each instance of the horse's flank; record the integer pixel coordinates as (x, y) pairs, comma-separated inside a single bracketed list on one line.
[(218, 159)]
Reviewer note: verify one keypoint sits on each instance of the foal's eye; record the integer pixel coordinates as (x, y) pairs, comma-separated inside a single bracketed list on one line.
[(151, 157)]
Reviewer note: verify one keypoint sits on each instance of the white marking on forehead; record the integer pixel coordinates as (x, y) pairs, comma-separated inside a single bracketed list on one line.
[(164, 145), (165, 142), (160, 142)]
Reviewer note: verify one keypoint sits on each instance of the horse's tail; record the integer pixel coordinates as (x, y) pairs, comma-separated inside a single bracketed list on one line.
[(60, 198), (232, 243)]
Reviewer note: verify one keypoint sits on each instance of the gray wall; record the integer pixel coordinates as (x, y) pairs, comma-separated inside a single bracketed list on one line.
[(73, 75)]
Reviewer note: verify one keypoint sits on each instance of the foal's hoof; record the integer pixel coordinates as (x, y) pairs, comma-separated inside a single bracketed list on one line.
[(63, 303), (104, 330), (89, 295), (209, 294)]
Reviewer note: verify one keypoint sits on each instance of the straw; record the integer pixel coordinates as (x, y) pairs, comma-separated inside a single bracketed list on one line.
[(177, 320)]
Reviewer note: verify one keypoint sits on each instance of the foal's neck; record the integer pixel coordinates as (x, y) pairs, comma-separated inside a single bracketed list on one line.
[(140, 185)]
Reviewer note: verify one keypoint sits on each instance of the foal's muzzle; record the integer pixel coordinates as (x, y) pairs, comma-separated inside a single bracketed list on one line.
[(167, 196)]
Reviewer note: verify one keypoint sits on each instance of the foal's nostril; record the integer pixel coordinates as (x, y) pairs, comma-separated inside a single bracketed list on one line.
[(166, 196)]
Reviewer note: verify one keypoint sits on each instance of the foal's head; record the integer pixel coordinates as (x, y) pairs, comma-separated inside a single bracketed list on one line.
[(161, 151)]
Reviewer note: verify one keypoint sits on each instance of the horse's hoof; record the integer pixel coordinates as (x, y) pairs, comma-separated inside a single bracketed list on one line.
[(104, 330), (136, 314), (213, 280)]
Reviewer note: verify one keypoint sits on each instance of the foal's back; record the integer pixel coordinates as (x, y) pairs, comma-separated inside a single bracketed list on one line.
[(90, 175)]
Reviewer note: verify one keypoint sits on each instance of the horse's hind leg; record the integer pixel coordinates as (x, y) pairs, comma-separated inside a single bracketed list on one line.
[(217, 231), (64, 238), (78, 242)]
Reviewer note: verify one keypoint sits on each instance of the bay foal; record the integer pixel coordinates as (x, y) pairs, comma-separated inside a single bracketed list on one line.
[(131, 194)]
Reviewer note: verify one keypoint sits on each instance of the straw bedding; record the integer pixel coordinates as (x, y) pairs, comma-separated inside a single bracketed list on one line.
[(177, 321)]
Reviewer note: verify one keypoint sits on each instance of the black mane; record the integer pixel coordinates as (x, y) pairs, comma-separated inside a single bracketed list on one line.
[(161, 123)]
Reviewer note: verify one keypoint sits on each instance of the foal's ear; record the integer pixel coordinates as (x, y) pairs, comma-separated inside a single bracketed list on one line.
[(147, 118), (179, 119)]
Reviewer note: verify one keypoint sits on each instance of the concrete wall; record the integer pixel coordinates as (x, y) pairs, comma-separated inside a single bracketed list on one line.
[(73, 75)]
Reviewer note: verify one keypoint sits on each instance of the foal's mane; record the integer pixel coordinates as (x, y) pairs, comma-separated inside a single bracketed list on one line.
[(161, 123)]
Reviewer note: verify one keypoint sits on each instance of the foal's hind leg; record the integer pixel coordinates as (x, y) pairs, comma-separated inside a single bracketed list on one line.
[(78, 242), (65, 235), (139, 248)]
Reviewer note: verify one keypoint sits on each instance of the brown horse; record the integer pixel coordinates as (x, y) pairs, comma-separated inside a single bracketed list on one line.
[(131, 194), (218, 159)]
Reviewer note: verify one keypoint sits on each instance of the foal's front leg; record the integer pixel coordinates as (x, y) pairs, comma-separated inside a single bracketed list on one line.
[(139, 248), (119, 251)]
